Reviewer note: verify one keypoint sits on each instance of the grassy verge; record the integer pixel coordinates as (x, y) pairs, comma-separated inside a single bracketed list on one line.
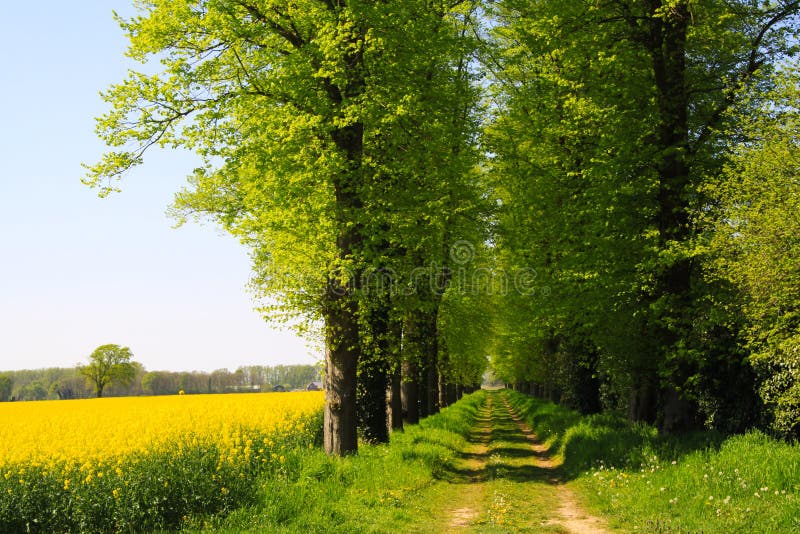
[(378, 490), (649, 483)]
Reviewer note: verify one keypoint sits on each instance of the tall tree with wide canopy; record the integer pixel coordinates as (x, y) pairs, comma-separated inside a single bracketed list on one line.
[(109, 364), (290, 105)]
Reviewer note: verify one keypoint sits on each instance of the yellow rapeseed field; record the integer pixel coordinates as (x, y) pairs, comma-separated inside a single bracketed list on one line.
[(101, 430)]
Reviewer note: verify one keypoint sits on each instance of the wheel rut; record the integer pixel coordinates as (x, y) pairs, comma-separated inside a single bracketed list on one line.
[(507, 480)]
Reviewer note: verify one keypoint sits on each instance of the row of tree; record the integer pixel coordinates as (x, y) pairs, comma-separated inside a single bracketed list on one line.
[(70, 383), (646, 155), (340, 147), (556, 184)]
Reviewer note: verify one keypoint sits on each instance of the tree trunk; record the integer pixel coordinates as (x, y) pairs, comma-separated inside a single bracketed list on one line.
[(433, 390), (444, 375), (410, 392), (341, 365), (667, 47), (372, 409), (642, 405), (422, 391), (395, 401), (373, 377), (342, 346), (432, 376)]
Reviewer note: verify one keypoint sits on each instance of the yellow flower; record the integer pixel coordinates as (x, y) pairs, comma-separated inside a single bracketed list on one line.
[(53, 434)]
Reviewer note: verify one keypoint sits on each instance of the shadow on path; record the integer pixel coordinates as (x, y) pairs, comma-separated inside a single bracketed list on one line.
[(503, 450)]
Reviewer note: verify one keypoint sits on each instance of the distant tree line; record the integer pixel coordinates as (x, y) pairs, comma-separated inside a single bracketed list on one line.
[(59, 383)]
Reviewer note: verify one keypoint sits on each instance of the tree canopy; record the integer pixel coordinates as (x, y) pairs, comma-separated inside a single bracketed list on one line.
[(108, 364), (598, 195)]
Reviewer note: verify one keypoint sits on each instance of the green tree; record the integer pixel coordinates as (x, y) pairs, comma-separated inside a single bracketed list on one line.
[(70, 386), (33, 391), (758, 242), (109, 364), (612, 118), (6, 386), (291, 105)]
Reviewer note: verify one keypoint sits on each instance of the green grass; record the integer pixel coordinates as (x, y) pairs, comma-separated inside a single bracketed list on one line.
[(649, 483), (471, 456), (385, 488)]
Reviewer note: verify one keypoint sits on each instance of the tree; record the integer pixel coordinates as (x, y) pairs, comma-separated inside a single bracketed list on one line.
[(757, 243), (612, 119), (6, 386), (290, 105), (33, 391), (69, 386), (109, 364)]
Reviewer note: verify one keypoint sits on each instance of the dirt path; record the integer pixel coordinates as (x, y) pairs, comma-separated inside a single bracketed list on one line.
[(471, 471), (506, 481), (570, 515)]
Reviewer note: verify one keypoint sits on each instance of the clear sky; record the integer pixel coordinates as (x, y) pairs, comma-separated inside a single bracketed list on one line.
[(77, 271)]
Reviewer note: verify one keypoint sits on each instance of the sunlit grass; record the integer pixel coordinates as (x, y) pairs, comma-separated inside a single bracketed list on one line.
[(701, 482), (385, 488)]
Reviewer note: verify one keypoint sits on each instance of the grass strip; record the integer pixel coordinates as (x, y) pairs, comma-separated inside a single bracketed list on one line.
[(643, 481), (377, 490)]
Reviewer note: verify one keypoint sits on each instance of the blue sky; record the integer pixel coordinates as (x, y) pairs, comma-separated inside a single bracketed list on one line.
[(77, 271)]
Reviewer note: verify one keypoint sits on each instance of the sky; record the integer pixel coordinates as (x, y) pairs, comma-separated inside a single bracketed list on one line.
[(78, 271)]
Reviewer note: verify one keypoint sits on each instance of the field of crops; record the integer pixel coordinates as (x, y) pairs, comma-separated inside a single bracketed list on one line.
[(122, 464)]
